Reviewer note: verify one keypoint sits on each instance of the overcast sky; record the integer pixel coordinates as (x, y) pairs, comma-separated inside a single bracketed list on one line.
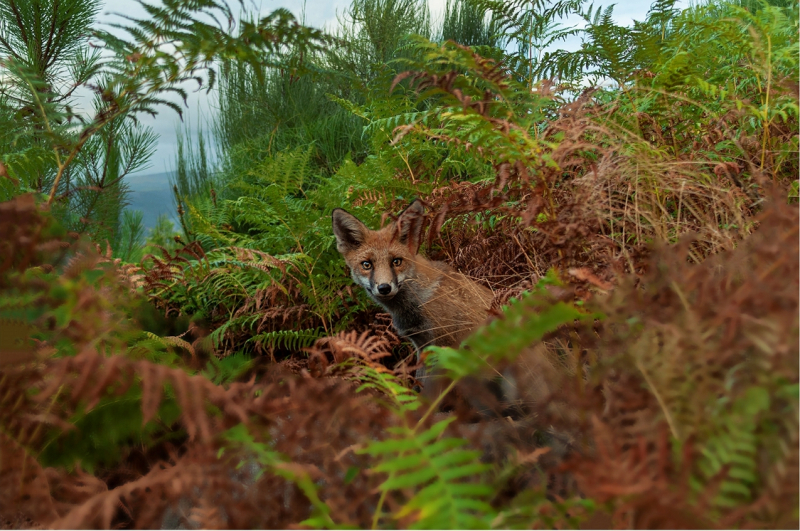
[(318, 13)]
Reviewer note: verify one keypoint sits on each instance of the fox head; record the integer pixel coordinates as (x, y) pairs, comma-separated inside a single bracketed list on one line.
[(380, 260)]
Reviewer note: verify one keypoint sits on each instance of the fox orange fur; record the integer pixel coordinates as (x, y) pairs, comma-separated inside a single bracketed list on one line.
[(433, 304), (430, 302)]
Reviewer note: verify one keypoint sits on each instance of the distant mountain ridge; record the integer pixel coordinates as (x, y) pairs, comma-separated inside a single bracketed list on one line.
[(152, 194)]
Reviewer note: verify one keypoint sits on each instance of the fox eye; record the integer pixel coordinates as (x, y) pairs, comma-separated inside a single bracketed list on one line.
[(366, 264), (397, 261)]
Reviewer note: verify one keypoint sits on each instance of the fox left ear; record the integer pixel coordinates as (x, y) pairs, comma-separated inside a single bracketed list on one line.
[(409, 225), (349, 231)]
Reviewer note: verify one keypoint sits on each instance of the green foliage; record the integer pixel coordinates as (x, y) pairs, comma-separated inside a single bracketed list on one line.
[(193, 176), (162, 235), (400, 398), (435, 467), (26, 28), (469, 23), (448, 481), (103, 435), (455, 121), (293, 340), (270, 111), (735, 448), (737, 439), (141, 66), (528, 29), (48, 59), (710, 61), (378, 28), (80, 161), (157, 348), (226, 370), (131, 236), (443, 474)]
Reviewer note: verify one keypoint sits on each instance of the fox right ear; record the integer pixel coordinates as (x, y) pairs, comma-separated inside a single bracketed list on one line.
[(349, 231), (409, 225)]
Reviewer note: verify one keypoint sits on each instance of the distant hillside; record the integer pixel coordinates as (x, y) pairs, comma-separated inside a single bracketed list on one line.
[(152, 194)]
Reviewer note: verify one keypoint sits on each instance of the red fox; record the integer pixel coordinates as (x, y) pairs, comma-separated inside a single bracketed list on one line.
[(430, 302)]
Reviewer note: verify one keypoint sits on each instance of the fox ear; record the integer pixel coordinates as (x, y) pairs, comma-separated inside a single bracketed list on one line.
[(409, 225), (349, 231)]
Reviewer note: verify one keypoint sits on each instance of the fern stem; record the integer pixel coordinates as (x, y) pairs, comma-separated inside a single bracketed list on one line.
[(61, 166), (435, 405), (670, 421), (377, 515), (411, 173), (428, 413), (633, 105), (765, 136), (310, 271), (36, 431)]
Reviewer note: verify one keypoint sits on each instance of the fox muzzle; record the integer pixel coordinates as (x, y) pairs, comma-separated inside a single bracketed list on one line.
[(384, 289)]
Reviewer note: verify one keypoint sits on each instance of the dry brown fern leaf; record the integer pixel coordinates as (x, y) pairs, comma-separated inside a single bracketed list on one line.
[(315, 423), (685, 338)]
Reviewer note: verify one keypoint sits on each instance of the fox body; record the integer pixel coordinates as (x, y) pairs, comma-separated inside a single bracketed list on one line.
[(433, 304), (430, 302)]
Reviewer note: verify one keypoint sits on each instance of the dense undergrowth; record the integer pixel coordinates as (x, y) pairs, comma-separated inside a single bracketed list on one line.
[(633, 205)]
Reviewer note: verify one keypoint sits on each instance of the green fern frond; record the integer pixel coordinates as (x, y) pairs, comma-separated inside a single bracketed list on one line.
[(224, 370), (173, 341), (734, 446), (402, 398), (286, 339), (441, 472), (152, 348), (236, 323)]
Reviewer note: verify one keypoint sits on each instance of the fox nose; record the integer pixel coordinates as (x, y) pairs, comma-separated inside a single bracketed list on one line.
[(384, 289)]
